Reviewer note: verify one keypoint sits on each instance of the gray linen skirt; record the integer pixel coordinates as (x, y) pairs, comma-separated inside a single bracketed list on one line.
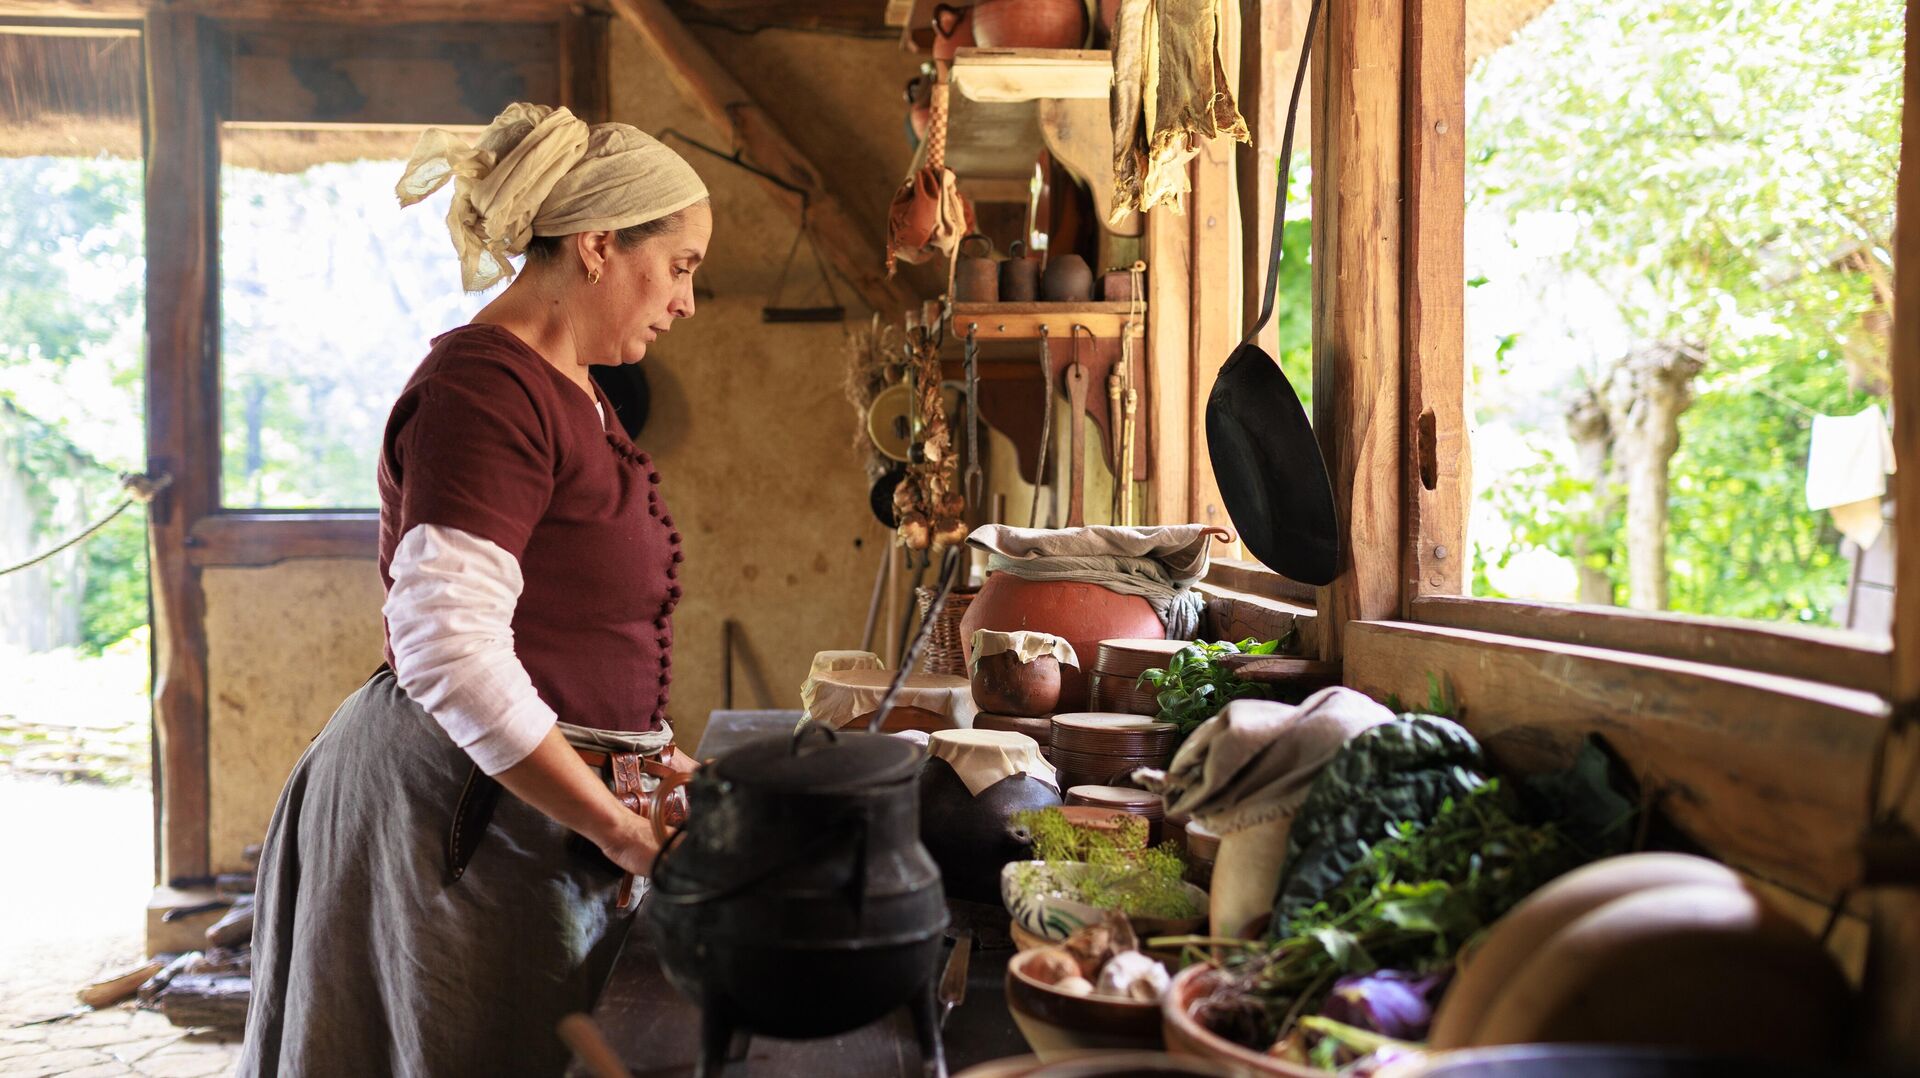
[(369, 960)]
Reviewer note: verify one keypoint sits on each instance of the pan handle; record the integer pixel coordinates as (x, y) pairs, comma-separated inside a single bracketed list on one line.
[(1280, 189)]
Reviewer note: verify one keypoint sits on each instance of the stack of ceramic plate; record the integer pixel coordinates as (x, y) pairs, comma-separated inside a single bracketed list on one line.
[(1040, 729), (1121, 799), (1100, 748), (1117, 667)]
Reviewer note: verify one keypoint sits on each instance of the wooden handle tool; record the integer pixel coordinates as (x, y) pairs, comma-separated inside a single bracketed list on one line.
[(1114, 395), (1076, 444)]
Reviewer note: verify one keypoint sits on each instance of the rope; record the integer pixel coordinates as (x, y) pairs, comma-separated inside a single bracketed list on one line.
[(140, 490)]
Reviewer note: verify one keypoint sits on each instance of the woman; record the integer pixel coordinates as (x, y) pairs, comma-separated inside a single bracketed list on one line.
[(411, 919)]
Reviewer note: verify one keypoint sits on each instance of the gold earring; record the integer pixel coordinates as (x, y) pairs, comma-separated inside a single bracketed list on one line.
[(593, 276)]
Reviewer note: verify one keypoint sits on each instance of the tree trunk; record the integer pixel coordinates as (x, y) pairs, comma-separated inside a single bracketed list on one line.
[(1592, 446), (1645, 395)]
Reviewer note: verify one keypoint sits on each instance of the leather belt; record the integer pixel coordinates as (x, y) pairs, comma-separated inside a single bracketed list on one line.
[(624, 772)]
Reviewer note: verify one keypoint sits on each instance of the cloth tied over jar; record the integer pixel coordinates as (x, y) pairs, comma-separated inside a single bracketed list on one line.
[(984, 757), (1027, 645)]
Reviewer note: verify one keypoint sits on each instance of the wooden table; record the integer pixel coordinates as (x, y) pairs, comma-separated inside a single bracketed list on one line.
[(657, 1031)]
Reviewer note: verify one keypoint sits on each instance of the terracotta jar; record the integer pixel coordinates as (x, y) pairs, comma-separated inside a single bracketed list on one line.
[(1030, 24), (1080, 613), (1004, 685), (1068, 280)]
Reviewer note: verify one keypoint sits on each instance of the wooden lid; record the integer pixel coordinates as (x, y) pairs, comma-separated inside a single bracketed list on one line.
[(1112, 733), (1125, 798), (1130, 657)]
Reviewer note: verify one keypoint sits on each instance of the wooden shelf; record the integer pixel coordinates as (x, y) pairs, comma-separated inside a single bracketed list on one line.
[(1001, 76), (1022, 321)]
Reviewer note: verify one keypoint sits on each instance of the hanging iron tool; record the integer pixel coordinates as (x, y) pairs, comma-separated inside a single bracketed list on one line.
[(975, 482), (1077, 432), (1046, 426)]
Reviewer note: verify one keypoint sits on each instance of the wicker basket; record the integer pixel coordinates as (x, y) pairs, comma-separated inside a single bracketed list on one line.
[(943, 654)]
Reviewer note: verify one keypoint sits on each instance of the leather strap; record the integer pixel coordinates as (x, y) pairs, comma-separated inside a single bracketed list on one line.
[(471, 814), (1280, 191)]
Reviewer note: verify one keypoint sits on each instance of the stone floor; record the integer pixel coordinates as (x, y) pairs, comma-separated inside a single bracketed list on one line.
[(79, 869)]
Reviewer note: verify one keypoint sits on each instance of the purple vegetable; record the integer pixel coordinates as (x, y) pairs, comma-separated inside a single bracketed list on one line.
[(1389, 1002)]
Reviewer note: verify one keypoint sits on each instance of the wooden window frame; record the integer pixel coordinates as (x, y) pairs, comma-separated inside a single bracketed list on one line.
[(187, 99), (1759, 742)]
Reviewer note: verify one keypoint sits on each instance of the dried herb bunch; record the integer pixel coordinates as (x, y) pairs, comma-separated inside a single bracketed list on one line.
[(873, 364)]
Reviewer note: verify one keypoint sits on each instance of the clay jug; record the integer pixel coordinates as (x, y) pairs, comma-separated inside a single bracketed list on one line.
[(952, 29), (1003, 685), (971, 837), (1019, 275), (1068, 280), (976, 276), (1030, 24), (1083, 614), (920, 105)]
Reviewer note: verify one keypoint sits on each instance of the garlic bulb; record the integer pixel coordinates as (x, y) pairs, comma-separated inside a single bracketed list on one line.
[(1132, 975), (1074, 986)]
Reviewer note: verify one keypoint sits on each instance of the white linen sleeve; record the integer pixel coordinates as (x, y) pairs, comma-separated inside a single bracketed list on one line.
[(450, 624)]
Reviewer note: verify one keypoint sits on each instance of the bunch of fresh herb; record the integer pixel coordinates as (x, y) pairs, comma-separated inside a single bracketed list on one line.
[(1418, 896), (1194, 686), (1123, 873)]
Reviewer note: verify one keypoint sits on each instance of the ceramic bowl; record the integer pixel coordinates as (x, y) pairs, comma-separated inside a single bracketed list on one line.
[(1056, 1022), (1187, 1037), (1037, 895)]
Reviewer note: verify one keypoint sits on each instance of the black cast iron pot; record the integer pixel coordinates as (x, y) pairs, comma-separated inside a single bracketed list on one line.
[(798, 901)]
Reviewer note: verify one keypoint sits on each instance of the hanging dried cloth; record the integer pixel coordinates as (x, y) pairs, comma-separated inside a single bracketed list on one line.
[(1169, 92)]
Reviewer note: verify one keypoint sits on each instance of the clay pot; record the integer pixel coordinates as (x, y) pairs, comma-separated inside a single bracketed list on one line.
[(1019, 275), (1187, 1037), (919, 94), (952, 29), (1030, 24), (971, 837), (1080, 613), (1068, 280), (1004, 685), (976, 279)]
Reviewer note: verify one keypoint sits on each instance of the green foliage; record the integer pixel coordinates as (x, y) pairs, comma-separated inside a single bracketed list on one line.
[(1194, 686), (1122, 872), (115, 601), (1730, 168)]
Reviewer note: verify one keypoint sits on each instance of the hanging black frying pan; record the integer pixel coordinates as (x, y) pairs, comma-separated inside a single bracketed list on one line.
[(1265, 457)]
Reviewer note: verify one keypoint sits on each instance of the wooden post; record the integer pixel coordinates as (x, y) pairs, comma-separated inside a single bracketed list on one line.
[(1356, 274), (1893, 956), (181, 159), (1216, 326), (1167, 366), (1437, 467), (720, 98)]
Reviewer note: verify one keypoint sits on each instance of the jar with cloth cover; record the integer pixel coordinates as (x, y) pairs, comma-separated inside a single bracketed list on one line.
[(1085, 585), (971, 786), (1018, 673)]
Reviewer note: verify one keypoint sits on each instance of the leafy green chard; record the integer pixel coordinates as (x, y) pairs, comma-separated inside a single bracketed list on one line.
[(1194, 686)]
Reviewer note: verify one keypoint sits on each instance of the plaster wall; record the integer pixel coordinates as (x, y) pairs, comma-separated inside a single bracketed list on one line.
[(285, 645)]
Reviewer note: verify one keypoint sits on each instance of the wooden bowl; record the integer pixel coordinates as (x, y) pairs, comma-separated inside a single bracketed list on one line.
[(1056, 1022), (1187, 1037), (1113, 734), (1130, 657)]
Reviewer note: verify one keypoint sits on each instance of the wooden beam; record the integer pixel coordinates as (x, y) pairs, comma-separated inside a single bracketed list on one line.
[(1356, 275), (1893, 970), (1436, 465), (1216, 326), (1835, 657), (253, 539), (585, 84), (180, 183), (442, 73), (362, 12), (1766, 772), (724, 103), (1269, 53)]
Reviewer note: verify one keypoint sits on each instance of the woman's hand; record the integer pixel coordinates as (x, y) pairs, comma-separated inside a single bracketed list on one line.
[(633, 847)]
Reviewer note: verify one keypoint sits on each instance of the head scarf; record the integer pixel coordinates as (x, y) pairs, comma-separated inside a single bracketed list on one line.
[(539, 171)]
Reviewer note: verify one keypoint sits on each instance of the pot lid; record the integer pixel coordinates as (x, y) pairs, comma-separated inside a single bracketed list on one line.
[(850, 760)]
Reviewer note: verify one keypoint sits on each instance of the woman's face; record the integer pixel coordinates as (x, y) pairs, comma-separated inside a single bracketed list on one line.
[(643, 289)]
